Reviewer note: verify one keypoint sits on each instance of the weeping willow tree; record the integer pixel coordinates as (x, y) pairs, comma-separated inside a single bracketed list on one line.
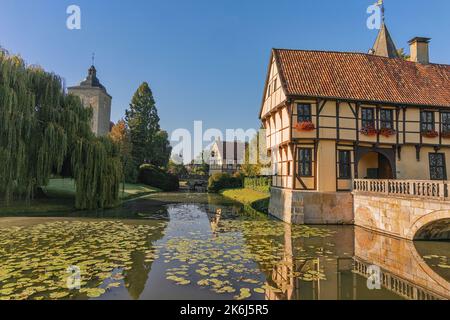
[(41, 129)]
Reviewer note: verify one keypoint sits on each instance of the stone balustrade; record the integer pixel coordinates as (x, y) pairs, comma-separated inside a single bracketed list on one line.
[(437, 190)]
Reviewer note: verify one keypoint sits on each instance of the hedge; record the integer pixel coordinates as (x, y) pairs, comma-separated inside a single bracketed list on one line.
[(262, 184), (158, 178), (221, 181)]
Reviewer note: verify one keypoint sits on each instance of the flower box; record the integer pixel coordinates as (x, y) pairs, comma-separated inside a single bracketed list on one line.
[(430, 134), (305, 126), (387, 132), (369, 131), (445, 134)]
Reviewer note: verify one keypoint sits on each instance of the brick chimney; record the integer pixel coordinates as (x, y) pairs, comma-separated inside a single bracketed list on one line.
[(419, 50)]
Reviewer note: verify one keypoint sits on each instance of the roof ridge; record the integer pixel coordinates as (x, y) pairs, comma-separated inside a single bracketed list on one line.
[(359, 53)]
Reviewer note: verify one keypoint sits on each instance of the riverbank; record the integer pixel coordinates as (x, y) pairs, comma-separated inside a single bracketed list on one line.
[(59, 197), (256, 200)]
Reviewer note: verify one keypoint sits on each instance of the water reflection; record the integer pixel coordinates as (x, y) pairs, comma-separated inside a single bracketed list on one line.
[(206, 247)]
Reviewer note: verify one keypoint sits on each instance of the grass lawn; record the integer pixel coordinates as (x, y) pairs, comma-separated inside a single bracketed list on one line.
[(256, 199), (65, 188), (61, 196), (38, 207)]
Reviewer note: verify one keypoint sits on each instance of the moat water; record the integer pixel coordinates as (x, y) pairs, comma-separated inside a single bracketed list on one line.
[(197, 246)]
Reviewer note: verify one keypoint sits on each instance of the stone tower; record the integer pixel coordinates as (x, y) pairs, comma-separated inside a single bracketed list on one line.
[(93, 94)]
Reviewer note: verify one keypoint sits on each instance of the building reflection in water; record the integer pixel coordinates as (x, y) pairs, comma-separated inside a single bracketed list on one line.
[(404, 273)]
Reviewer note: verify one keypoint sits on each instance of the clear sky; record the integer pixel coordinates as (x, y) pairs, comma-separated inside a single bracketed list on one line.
[(204, 59)]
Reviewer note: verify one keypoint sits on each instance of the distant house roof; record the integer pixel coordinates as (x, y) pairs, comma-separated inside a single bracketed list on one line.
[(362, 77)]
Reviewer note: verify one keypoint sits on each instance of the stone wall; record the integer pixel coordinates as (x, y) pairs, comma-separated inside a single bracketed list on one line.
[(301, 207), (100, 102), (398, 216)]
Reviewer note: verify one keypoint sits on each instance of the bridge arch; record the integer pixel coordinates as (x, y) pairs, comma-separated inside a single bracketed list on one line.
[(432, 226)]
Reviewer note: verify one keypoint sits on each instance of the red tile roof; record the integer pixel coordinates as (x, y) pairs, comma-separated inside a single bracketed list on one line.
[(363, 77)]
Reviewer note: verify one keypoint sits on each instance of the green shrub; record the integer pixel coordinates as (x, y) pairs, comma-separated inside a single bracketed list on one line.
[(158, 178), (262, 184), (221, 181)]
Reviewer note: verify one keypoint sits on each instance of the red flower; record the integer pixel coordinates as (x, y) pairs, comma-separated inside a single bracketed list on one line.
[(387, 132), (369, 131), (305, 126), (430, 134)]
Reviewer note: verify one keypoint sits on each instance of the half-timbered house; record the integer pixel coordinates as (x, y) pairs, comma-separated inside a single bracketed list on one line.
[(332, 117)]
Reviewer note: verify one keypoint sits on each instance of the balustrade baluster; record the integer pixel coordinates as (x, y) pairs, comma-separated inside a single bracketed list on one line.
[(420, 189)]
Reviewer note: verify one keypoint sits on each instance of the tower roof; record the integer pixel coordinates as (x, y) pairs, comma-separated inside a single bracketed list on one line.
[(384, 45), (91, 79)]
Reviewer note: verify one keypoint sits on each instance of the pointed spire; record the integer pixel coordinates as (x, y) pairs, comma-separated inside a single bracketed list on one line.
[(384, 45)]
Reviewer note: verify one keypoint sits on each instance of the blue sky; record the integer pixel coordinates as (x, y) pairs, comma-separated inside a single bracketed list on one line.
[(204, 60)]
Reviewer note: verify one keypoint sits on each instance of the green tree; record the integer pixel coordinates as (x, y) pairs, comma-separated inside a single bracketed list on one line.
[(161, 149), (177, 169), (402, 54), (41, 129), (143, 121)]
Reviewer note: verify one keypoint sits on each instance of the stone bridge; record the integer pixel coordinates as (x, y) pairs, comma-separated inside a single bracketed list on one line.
[(408, 209)]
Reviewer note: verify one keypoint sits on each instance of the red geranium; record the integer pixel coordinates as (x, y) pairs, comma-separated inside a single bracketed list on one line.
[(369, 131), (387, 132), (305, 126), (430, 134)]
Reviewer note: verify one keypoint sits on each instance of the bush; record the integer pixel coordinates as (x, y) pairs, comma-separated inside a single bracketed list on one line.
[(262, 184), (221, 181), (158, 178)]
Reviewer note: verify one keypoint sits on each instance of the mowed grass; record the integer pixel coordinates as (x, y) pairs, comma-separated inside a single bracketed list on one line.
[(243, 195), (255, 199), (37, 207), (60, 197), (65, 188)]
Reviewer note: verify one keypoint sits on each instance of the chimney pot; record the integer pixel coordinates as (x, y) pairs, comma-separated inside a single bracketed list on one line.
[(419, 50)]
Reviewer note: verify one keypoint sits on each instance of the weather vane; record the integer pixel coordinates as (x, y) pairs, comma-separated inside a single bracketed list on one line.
[(380, 3), (93, 58)]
